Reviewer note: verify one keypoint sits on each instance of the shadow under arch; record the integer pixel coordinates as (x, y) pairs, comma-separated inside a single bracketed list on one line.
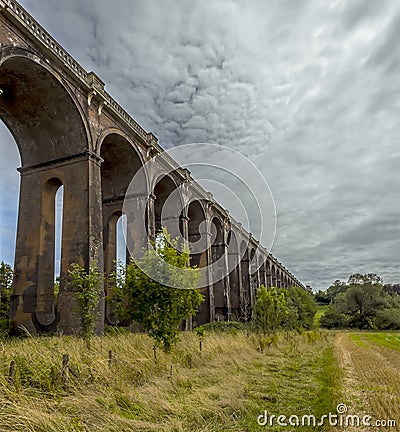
[(261, 271), (268, 282), (39, 109), (219, 268), (168, 206)]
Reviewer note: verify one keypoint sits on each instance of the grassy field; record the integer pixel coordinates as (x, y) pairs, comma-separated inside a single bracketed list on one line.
[(223, 388), (390, 340)]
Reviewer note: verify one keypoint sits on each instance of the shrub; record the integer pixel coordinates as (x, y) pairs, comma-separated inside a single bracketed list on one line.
[(89, 286), (159, 307)]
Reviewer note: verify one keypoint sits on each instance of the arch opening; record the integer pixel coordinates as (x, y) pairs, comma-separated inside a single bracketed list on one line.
[(197, 238), (274, 277), (121, 162), (254, 276), (234, 277), (268, 274), (58, 226), (220, 285), (168, 208), (116, 257), (50, 251), (261, 271), (245, 270), (122, 254), (9, 193)]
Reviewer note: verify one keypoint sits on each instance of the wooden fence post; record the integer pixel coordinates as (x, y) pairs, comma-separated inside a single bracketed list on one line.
[(110, 358), (65, 370), (11, 373)]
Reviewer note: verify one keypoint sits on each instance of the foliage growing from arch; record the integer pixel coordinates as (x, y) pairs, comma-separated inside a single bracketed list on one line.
[(6, 277), (159, 308), (89, 288)]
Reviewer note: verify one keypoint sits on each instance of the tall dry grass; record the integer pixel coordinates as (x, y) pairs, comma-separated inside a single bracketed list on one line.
[(222, 388)]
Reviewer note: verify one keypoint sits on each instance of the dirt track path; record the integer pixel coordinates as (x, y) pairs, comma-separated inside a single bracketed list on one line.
[(370, 382)]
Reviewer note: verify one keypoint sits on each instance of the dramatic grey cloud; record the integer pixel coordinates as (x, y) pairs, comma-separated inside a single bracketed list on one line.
[(308, 90)]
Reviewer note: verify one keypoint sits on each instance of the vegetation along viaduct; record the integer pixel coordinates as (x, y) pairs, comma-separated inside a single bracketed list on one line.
[(70, 132)]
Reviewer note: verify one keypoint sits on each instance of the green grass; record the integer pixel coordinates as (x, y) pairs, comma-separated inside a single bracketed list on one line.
[(357, 339), (300, 378), (390, 340), (223, 388)]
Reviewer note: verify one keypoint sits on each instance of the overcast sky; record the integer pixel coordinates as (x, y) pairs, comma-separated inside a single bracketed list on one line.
[(308, 90)]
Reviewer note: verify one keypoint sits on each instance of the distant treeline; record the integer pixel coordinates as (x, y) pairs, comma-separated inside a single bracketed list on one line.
[(363, 302)]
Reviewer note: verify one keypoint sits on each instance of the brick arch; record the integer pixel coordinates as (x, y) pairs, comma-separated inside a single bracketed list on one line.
[(39, 109)]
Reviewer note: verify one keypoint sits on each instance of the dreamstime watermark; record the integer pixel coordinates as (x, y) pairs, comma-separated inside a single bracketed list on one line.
[(224, 180), (341, 419)]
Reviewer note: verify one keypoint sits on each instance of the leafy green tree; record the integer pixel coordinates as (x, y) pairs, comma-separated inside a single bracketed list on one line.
[(270, 309), (388, 319), (333, 319), (335, 289), (362, 303), (6, 277), (303, 307), (365, 279), (158, 307), (392, 289), (89, 289), (322, 298)]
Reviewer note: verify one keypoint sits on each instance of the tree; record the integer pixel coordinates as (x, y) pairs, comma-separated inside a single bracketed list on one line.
[(388, 319), (270, 309), (89, 289), (336, 288), (303, 305), (322, 297), (6, 277), (392, 289), (365, 279), (362, 303), (333, 319), (159, 291)]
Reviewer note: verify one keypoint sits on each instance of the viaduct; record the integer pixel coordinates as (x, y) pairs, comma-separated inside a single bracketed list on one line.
[(70, 132)]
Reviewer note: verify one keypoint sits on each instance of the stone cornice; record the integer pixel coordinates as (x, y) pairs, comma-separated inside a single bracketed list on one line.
[(85, 155)]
